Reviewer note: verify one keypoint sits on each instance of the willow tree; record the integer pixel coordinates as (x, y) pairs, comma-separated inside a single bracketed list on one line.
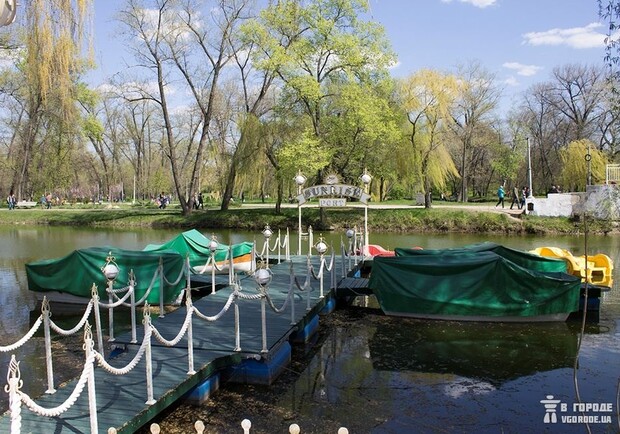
[(427, 98), (55, 35), (582, 164)]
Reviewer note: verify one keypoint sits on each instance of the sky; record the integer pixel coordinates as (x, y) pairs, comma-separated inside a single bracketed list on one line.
[(520, 41)]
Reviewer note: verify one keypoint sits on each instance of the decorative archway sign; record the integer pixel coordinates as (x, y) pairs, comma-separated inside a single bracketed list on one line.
[(333, 194)]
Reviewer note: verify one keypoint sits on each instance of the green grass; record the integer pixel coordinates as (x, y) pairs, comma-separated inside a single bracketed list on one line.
[(466, 220)]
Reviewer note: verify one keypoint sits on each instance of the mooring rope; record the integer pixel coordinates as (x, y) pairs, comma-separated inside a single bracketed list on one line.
[(182, 331), (78, 326), (229, 302), (87, 371), (25, 338)]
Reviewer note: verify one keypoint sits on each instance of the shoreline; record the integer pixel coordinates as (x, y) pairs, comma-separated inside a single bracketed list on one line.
[(395, 218)]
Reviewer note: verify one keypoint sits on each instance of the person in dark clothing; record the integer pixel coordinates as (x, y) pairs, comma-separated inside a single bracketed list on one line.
[(516, 198)]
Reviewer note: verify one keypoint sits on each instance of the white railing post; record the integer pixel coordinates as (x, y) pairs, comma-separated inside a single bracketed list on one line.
[(92, 396), (292, 292), (309, 271), (253, 263), (190, 333), (310, 240), (147, 355), (45, 311), (161, 287), (231, 266), (334, 282), (132, 299), (110, 311), (95, 298), (321, 274), (287, 250), (237, 333), (279, 246), (263, 318), (12, 388), (246, 425)]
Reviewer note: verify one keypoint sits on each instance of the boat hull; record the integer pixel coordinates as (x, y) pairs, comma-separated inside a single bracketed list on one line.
[(241, 264), (556, 317)]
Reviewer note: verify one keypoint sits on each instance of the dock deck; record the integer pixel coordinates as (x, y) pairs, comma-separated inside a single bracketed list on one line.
[(121, 400)]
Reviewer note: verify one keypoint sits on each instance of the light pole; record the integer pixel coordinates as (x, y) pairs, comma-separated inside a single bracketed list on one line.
[(321, 248), (213, 245), (267, 233), (263, 277), (529, 169), (366, 179), (110, 270), (300, 180), (350, 234)]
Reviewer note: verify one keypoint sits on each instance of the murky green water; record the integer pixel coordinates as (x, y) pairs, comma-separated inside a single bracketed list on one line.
[(369, 372)]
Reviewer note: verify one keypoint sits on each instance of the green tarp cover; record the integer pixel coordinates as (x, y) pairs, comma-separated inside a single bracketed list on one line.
[(76, 273), (519, 257), (194, 244), (470, 284)]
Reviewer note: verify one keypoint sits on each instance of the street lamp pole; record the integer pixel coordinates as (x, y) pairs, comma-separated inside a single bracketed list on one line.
[(529, 168), (300, 180), (366, 178), (213, 245)]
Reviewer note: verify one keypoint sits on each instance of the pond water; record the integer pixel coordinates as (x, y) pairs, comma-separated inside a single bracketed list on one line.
[(372, 373)]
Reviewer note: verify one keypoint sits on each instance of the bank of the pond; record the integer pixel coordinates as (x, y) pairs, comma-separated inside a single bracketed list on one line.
[(464, 219)]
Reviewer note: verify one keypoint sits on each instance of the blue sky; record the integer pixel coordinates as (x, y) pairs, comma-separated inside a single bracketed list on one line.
[(520, 41)]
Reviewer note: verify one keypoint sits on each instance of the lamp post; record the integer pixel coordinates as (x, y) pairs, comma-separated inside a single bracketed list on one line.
[(267, 233), (263, 277), (213, 245), (350, 234), (529, 169), (321, 248), (300, 180), (110, 270), (366, 179)]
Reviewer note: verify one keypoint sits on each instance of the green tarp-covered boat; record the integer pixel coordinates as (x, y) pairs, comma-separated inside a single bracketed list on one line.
[(519, 257), (471, 286), (195, 245), (75, 273)]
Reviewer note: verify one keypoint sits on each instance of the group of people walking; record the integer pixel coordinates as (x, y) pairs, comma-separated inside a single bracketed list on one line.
[(517, 198)]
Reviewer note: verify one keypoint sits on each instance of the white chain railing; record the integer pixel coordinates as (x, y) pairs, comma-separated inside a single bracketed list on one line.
[(14, 382), (246, 426), (279, 243)]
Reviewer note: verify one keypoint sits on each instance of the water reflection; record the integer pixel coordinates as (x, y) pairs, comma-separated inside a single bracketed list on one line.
[(492, 353)]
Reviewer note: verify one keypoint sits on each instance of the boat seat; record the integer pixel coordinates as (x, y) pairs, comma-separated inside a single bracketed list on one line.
[(597, 270)]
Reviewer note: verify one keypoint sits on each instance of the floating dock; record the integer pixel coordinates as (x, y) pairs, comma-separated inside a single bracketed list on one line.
[(121, 400)]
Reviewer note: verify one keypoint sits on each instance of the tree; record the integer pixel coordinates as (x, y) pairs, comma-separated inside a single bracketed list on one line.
[(472, 116), (427, 98), (55, 35), (320, 50), (577, 171)]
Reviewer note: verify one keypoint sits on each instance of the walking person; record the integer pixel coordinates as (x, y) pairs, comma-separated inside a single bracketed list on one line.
[(11, 200), (500, 195), (516, 199)]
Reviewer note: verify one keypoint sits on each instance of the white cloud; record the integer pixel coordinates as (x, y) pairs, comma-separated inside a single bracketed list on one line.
[(575, 37), (525, 70), (477, 3), (511, 81)]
